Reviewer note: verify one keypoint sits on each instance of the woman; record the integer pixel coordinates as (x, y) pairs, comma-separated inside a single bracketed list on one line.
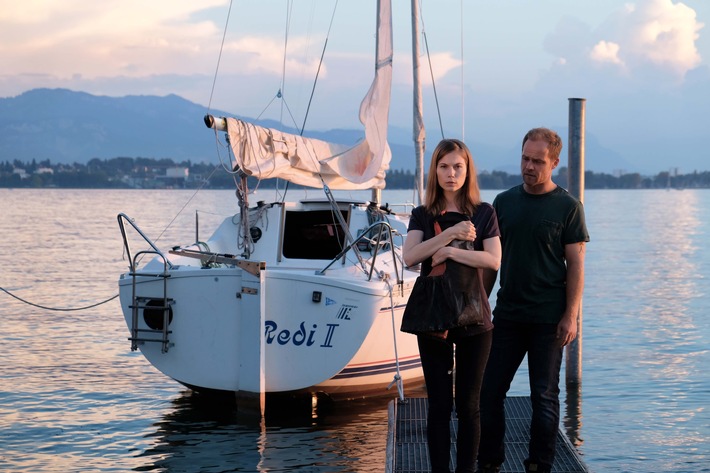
[(452, 190)]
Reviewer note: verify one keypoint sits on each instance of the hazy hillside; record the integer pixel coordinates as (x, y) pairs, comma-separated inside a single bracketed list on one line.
[(66, 127)]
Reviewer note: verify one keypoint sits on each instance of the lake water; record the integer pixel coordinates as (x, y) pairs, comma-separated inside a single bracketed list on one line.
[(73, 397)]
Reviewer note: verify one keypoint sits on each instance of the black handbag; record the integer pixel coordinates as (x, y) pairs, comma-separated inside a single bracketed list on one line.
[(449, 296)]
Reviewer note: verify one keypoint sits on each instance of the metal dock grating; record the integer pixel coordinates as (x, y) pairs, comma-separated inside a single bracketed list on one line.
[(407, 449)]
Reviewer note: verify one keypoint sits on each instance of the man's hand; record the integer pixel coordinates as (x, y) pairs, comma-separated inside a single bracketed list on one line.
[(567, 330)]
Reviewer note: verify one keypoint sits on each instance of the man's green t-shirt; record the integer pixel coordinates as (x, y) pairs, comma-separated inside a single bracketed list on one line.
[(534, 231)]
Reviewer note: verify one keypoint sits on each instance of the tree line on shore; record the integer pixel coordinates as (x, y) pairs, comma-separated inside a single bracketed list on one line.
[(149, 173)]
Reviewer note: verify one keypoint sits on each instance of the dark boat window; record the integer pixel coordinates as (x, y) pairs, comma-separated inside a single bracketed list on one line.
[(313, 235)]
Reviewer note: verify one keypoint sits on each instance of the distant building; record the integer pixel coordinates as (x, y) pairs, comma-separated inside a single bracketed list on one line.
[(174, 177), (20, 172), (177, 173)]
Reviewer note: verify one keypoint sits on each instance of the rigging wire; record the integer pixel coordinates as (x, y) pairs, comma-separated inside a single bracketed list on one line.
[(279, 95), (56, 308), (431, 69), (320, 63), (219, 57), (463, 91), (282, 87), (194, 194), (308, 107)]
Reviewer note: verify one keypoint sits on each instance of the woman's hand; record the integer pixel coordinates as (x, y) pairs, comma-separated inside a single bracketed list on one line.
[(441, 255), (465, 231)]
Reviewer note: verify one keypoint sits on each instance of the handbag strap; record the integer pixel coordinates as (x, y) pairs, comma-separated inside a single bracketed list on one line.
[(439, 269)]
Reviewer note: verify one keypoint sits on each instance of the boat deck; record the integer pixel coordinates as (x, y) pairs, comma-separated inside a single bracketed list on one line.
[(407, 449)]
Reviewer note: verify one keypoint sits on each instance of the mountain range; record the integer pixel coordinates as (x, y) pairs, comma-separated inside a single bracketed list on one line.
[(65, 127)]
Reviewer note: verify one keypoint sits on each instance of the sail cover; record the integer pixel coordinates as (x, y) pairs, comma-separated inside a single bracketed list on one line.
[(268, 153)]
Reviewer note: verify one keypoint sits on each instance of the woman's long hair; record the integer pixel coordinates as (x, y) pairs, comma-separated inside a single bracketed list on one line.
[(468, 197)]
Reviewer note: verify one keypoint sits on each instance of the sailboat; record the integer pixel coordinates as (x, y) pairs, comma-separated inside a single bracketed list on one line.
[(294, 297)]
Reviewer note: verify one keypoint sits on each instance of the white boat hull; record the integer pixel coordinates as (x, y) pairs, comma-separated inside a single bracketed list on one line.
[(285, 329)]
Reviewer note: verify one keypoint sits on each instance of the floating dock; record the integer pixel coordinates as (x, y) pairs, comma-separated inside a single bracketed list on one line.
[(407, 449)]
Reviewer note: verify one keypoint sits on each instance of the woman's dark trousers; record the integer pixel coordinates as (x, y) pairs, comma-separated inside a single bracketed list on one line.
[(437, 355)]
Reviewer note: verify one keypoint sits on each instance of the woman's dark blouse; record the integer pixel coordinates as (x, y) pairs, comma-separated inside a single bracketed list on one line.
[(486, 223)]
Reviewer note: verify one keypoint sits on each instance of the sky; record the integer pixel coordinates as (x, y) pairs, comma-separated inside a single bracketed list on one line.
[(499, 67)]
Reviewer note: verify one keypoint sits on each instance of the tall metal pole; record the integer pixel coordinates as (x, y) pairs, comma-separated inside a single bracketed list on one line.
[(419, 133), (383, 50), (575, 186)]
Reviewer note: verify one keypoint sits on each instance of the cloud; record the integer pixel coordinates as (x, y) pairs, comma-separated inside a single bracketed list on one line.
[(261, 54), (570, 38), (442, 64), (642, 74), (128, 44), (647, 38), (656, 33), (103, 39), (605, 51)]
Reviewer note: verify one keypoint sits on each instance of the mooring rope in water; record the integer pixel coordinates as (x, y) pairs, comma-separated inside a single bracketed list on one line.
[(56, 308)]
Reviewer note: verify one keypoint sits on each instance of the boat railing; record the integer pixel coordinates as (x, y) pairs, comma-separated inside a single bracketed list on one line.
[(405, 207), (381, 227), (122, 217)]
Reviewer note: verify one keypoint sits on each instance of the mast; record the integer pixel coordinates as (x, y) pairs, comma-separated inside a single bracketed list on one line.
[(419, 132), (383, 52)]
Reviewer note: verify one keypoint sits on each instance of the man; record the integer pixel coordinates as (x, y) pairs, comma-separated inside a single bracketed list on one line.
[(543, 233)]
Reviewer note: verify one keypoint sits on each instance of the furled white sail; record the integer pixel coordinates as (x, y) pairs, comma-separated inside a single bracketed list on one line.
[(269, 153)]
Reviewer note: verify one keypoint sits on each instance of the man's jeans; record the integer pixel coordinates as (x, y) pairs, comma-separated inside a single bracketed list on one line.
[(511, 342)]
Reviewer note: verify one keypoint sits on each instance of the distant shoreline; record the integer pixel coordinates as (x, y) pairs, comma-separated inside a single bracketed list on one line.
[(146, 173)]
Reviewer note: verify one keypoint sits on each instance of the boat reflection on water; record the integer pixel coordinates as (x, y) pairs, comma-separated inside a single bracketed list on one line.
[(207, 433)]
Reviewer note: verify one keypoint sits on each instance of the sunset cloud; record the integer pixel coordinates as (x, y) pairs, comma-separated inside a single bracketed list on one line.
[(260, 54), (655, 32), (605, 51), (102, 39)]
